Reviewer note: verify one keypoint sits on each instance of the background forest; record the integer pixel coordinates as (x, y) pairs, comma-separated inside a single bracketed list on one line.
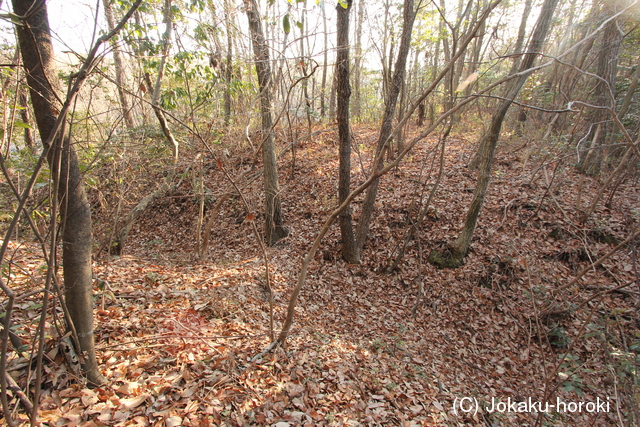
[(226, 212)]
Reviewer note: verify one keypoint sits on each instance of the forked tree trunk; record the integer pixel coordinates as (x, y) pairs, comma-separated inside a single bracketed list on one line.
[(489, 141), (274, 224), (364, 221), (75, 213)]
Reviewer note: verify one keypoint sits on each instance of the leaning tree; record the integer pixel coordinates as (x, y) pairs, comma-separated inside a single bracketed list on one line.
[(488, 142)]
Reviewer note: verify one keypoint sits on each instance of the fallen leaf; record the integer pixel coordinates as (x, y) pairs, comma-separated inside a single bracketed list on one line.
[(133, 402)]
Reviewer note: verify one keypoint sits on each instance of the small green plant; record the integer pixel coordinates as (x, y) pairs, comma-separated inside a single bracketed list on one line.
[(155, 242), (391, 386), (558, 337), (154, 278), (443, 259), (569, 370), (377, 344)]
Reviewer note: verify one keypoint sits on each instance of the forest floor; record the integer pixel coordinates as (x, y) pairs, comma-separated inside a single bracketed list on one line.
[(177, 337)]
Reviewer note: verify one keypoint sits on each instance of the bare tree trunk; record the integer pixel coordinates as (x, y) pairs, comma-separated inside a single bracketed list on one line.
[(75, 213), (25, 115), (475, 160), (309, 257), (167, 19), (604, 95), (489, 140), (433, 73), (385, 131), (520, 39), (573, 77), (323, 88), (357, 66), (398, 136), (456, 74), (332, 94), (274, 224), (154, 90), (344, 131), (228, 74), (119, 67), (626, 101), (476, 56), (304, 59), (386, 58)]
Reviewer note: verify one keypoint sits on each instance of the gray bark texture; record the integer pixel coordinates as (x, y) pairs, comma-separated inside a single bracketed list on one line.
[(604, 96), (343, 89), (37, 55), (364, 221), (489, 140), (119, 68), (274, 224)]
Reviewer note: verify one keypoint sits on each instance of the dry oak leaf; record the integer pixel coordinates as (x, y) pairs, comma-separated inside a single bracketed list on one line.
[(133, 402)]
